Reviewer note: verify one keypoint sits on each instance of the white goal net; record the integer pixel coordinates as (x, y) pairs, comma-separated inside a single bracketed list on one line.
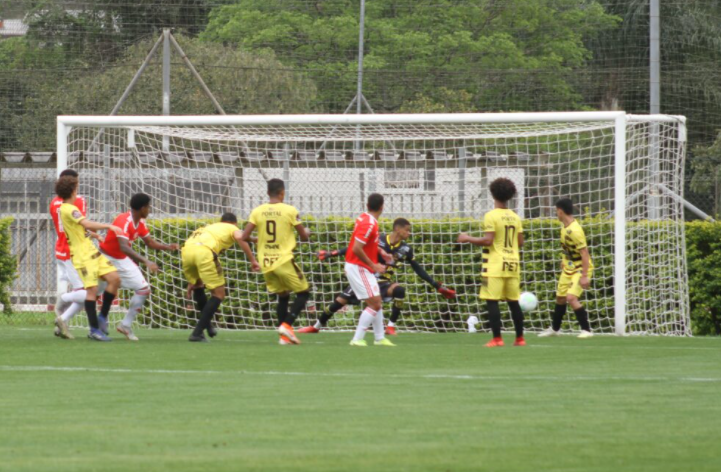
[(624, 174)]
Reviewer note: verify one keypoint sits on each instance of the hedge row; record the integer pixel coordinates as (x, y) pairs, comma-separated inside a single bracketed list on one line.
[(455, 265), (8, 264)]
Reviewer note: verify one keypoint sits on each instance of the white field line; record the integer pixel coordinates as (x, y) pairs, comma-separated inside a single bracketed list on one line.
[(540, 378)]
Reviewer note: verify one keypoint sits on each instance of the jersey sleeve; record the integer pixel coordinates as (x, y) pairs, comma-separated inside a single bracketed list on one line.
[(411, 256), (579, 239), (489, 223), (253, 218), (520, 226), (75, 215), (364, 231), (294, 216), (143, 231)]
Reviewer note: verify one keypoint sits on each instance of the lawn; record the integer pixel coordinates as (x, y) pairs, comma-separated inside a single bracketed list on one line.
[(436, 402)]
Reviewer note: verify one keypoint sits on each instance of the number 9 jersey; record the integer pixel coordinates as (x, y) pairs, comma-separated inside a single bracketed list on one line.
[(502, 258), (275, 224)]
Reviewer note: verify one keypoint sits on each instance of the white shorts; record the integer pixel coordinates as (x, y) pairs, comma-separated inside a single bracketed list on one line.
[(362, 281), (131, 278), (68, 273)]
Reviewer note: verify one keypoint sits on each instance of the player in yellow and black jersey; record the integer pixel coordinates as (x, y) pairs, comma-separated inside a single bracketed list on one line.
[(576, 271), (501, 270), (276, 224), (394, 253)]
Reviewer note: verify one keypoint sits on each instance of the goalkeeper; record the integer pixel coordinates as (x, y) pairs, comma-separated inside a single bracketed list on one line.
[(394, 253)]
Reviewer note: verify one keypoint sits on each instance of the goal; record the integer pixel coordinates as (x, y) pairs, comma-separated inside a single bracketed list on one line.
[(623, 172)]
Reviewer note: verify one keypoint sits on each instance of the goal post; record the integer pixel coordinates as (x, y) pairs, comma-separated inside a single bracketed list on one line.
[(624, 172)]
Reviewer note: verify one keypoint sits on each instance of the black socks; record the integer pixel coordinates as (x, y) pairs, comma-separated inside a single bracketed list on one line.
[(558, 313), (92, 313), (517, 317), (494, 317), (582, 317), (207, 316), (298, 305)]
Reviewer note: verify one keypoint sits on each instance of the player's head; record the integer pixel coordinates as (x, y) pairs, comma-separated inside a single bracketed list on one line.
[(66, 187), (140, 202), (564, 206), (276, 189), (375, 203), (402, 228), (503, 189), (69, 172), (229, 218)]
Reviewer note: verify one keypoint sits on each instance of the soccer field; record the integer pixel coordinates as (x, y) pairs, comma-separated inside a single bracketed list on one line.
[(436, 402)]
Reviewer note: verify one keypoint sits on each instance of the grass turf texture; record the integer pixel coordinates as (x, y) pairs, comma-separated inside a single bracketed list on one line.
[(435, 402)]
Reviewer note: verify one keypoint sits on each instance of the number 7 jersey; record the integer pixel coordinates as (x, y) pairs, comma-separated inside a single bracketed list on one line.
[(275, 224), (502, 258)]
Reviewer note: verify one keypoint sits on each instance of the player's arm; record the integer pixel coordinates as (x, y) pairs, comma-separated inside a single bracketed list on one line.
[(158, 246), (486, 240), (303, 232), (421, 272), (242, 239), (95, 226), (127, 249), (360, 254), (521, 240), (585, 266), (323, 254)]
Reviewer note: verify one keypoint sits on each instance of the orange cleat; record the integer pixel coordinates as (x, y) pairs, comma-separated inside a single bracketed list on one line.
[(309, 330), (519, 342), (287, 331), (391, 331), (284, 341), (495, 342)]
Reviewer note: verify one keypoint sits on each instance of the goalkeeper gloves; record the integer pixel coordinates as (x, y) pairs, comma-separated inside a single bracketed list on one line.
[(323, 255), (447, 293)]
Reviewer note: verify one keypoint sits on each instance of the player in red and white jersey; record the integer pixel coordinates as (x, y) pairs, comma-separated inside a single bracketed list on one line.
[(361, 263), (118, 249), (67, 304)]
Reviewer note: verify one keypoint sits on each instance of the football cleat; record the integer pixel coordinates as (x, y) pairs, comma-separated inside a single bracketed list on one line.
[(384, 342), (62, 330), (495, 342), (391, 331), (548, 333), (359, 343), (97, 335), (284, 341), (197, 339), (519, 342), (309, 330), (585, 335), (103, 324), (127, 332), (56, 331), (287, 330), (212, 332)]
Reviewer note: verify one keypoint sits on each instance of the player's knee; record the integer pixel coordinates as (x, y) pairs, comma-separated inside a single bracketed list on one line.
[(341, 301), (374, 303), (303, 295), (219, 293), (561, 300), (399, 292), (573, 301), (143, 292)]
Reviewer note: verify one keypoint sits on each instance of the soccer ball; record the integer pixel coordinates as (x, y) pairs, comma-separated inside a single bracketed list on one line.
[(528, 301)]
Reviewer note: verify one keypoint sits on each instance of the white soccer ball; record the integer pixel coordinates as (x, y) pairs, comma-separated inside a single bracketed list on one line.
[(528, 301)]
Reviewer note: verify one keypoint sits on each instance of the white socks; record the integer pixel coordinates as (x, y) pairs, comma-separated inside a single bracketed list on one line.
[(317, 325), (73, 310), (76, 296), (366, 319), (378, 328), (391, 324), (136, 303)]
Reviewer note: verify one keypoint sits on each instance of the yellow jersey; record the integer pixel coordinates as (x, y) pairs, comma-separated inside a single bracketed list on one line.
[(276, 224), (573, 239), (217, 237), (502, 258), (81, 247)]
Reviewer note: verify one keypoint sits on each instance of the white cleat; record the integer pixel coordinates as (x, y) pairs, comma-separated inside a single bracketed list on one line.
[(61, 329), (127, 332), (585, 335), (546, 333)]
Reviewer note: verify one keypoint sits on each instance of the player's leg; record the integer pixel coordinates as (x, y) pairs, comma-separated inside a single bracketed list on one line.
[(559, 311), (285, 279), (108, 273), (491, 293), (511, 293), (366, 288), (70, 303), (573, 296), (131, 278), (397, 293), (342, 299), (211, 273)]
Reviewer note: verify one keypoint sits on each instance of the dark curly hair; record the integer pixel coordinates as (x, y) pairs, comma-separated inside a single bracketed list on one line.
[(503, 189), (65, 186)]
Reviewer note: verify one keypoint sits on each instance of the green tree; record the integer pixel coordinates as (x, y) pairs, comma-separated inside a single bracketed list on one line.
[(511, 55), (243, 82)]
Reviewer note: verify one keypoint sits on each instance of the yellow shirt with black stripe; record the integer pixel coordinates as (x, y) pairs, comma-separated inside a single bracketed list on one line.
[(275, 224), (573, 239), (502, 258)]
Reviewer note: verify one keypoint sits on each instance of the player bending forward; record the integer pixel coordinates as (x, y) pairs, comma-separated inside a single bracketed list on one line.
[(119, 251), (276, 222), (201, 267), (401, 253), (501, 272), (90, 264), (67, 304), (360, 266), (576, 271)]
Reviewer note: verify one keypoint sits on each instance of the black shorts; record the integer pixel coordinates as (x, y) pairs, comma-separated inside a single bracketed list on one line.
[(350, 298)]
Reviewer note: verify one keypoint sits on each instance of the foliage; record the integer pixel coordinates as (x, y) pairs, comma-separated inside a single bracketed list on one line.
[(458, 38), (706, 172), (8, 264), (703, 243)]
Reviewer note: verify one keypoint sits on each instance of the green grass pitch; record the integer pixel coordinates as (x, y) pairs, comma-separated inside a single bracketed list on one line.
[(436, 402)]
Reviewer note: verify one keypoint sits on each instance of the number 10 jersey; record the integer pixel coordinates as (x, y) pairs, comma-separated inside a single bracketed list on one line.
[(502, 258), (275, 223)]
